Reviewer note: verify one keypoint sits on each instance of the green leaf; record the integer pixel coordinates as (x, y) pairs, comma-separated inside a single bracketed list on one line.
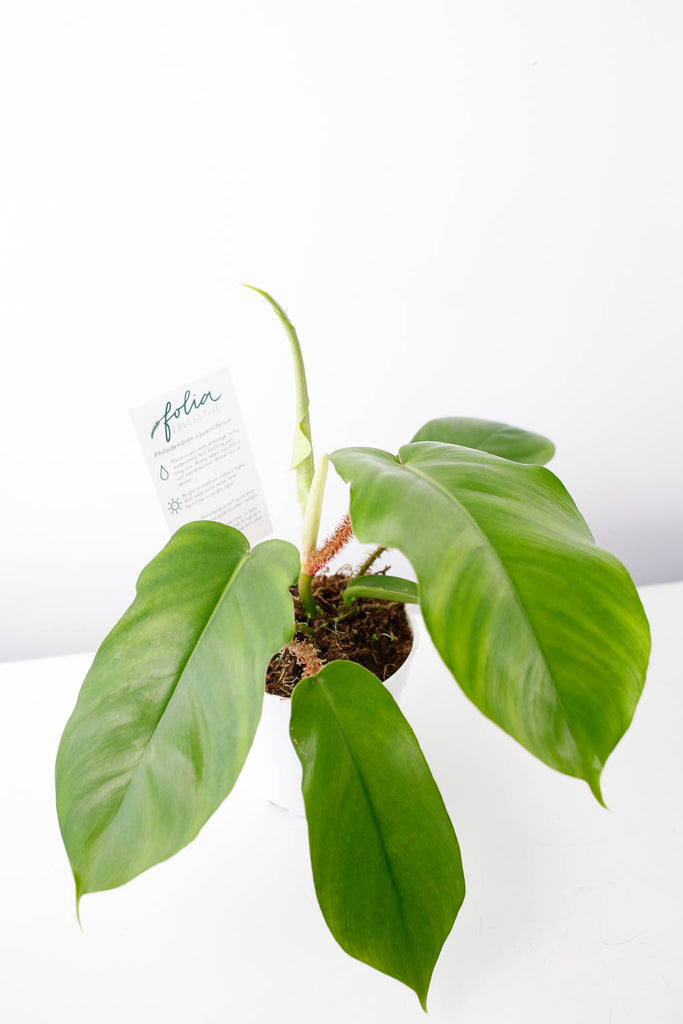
[(302, 453), (489, 436), (167, 712), (386, 862), (542, 629), (382, 588)]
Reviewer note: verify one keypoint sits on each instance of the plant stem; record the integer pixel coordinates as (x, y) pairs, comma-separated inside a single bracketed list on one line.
[(313, 509), (345, 615), (306, 595), (372, 557), (309, 534)]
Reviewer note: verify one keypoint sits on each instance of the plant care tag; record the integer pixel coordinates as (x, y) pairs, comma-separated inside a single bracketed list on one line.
[(197, 451)]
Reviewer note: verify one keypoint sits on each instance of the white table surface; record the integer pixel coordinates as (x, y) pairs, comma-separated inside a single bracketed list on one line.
[(573, 913)]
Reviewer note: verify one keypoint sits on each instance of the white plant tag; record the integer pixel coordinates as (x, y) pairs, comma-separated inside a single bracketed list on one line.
[(197, 451)]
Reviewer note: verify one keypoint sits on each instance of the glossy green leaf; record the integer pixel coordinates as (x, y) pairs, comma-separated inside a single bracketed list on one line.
[(542, 629), (386, 862), (382, 588), (302, 453), (167, 712), (489, 436)]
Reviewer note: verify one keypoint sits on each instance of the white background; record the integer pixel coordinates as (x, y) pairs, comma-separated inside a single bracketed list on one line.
[(467, 209)]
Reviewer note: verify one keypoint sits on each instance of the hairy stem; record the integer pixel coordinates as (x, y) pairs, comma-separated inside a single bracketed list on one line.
[(307, 656), (372, 557), (318, 559)]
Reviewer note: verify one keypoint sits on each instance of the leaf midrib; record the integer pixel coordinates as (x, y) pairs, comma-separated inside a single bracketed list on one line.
[(375, 822), (515, 593), (174, 688), (533, 444), (491, 433)]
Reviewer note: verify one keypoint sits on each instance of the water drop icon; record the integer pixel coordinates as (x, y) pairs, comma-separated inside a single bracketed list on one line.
[(163, 473)]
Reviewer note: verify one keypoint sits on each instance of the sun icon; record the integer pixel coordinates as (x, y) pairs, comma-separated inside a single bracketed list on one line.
[(174, 506)]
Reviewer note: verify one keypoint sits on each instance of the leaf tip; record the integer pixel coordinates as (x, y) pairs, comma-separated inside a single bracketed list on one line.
[(78, 905), (594, 783), (420, 986)]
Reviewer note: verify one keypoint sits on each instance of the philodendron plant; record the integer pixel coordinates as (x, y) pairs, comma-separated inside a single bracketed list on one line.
[(541, 628)]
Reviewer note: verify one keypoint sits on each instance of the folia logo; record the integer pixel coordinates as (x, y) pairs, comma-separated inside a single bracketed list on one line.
[(187, 406)]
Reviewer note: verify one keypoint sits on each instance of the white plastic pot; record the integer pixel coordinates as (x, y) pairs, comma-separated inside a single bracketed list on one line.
[(281, 768)]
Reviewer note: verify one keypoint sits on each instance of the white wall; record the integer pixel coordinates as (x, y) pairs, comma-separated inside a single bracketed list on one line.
[(466, 208)]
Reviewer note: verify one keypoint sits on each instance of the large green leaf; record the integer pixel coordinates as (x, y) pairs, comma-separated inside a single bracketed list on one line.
[(489, 436), (168, 710), (542, 629), (386, 862)]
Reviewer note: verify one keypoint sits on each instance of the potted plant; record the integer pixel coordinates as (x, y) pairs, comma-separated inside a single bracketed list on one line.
[(542, 629)]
